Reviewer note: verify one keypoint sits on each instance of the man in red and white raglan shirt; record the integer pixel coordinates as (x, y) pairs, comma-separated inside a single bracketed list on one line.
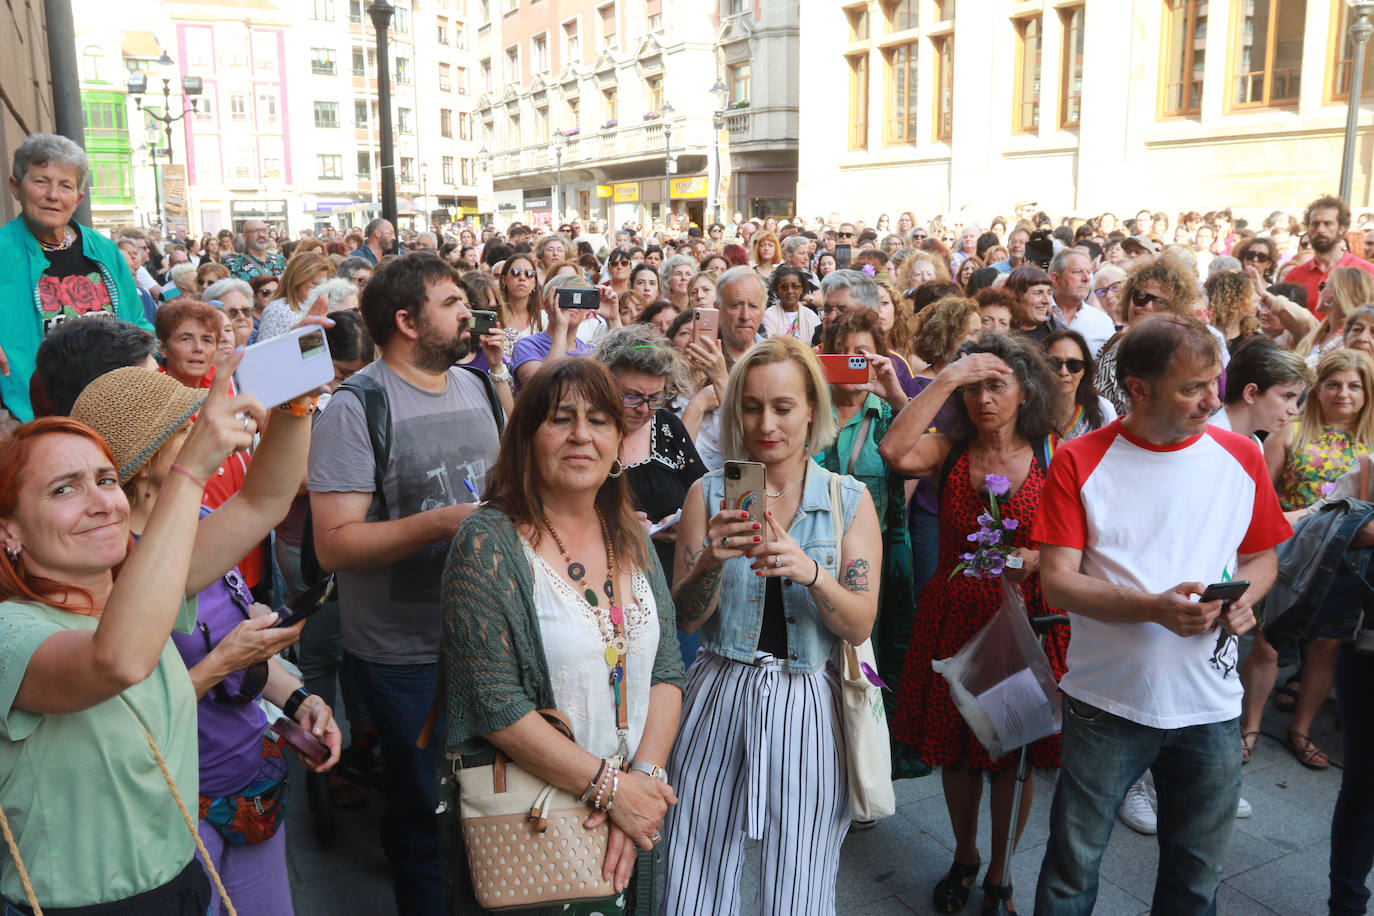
[(1135, 520)]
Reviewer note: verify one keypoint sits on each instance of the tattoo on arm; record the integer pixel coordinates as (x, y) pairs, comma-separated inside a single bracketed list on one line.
[(855, 577), (697, 598), (691, 556), (824, 603)]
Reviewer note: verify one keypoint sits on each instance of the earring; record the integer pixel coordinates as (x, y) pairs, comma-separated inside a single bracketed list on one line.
[(618, 469), (14, 553)]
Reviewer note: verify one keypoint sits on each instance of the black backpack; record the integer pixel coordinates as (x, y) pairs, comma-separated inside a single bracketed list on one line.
[(377, 410)]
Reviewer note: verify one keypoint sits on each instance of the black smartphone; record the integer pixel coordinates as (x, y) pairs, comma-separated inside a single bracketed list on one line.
[(578, 297), (483, 320), (306, 603), (1225, 591), (843, 253)]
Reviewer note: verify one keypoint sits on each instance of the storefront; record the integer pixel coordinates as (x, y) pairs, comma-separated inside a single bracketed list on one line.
[(765, 192), (689, 196), (538, 206)]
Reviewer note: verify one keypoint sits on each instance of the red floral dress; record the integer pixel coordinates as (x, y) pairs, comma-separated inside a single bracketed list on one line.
[(949, 613)]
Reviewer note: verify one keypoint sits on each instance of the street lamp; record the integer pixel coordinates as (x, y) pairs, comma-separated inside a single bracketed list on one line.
[(190, 86), (483, 159), (722, 93), (424, 193), (665, 113), (379, 11), (1360, 11), (560, 139)]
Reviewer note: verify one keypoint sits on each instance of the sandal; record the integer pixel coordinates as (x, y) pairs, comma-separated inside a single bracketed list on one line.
[(1307, 752), (997, 900), (1286, 697), (1247, 747), (951, 893)]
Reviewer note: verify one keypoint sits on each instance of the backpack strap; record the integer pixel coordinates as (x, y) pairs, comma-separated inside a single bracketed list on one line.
[(493, 399), (947, 468)]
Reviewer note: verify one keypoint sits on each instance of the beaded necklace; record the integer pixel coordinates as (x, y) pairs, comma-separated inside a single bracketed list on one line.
[(68, 237)]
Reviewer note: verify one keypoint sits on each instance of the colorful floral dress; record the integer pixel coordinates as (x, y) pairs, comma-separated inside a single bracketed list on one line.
[(1310, 467), (950, 612)]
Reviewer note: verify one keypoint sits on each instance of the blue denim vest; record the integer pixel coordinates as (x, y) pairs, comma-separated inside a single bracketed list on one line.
[(733, 631)]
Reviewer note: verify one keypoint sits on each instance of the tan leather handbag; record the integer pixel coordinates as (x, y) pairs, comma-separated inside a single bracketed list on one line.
[(525, 841)]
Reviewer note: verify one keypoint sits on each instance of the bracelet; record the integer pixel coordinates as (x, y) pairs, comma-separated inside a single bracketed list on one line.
[(591, 787), (651, 770), (301, 407), (293, 702), (181, 470), (817, 576), (615, 786)]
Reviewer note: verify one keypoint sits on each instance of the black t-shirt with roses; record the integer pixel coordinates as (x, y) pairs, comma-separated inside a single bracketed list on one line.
[(72, 287)]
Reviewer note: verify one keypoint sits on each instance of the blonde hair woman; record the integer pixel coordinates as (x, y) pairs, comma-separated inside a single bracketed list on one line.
[(759, 722), (1345, 290), (922, 268)]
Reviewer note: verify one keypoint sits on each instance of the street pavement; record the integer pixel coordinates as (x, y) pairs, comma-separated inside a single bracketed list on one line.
[(1277, 861)]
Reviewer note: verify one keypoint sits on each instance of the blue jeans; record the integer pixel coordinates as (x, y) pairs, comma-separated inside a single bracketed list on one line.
[(1197, 779), (1352, 822), (398, 698)]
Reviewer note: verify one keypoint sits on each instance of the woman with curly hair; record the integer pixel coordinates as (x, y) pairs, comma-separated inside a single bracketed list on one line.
[(1152, 287), (1231, 300), (966, 269), (765, 253), (943, 328), (922, 267), (1260, 254), (788, 316)]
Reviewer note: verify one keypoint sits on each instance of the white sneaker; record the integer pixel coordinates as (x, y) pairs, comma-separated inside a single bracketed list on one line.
[(1243, 809), (1138, 810)]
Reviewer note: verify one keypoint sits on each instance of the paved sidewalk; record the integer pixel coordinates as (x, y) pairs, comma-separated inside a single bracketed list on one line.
[(1277, 861)]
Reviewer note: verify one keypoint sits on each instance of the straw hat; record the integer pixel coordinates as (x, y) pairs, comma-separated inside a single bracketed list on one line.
[(135, 410)]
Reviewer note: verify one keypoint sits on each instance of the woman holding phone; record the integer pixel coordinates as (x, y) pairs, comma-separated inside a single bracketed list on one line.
[(770, 598)]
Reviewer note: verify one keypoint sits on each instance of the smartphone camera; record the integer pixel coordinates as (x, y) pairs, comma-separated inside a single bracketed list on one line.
[(858, 362), (732, 472)]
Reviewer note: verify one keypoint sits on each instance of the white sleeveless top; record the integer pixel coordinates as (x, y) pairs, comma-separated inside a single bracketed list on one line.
[(576, 653)]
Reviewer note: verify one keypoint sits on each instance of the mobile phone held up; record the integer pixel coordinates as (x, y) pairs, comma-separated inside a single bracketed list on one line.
[(283, 368), (746, 489), (577, 297), (301, 740), (844, 368), (706, 323), (483, 321), (306, 603), (843, 253)]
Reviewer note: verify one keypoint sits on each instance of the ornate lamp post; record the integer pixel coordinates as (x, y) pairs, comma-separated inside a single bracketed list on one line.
[(379, 11), (666, 112), (1360, 11), (560, 140), (722, 94)]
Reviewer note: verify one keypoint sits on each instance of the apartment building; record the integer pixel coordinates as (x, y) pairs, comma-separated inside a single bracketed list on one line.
[(1081, 105), (638, 106)]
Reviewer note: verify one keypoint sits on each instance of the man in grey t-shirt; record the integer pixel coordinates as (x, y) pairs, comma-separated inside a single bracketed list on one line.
[(443, 439)]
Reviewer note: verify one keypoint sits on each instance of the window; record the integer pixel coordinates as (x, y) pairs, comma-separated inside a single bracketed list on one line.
[(233, 51), (610, 104), (364, 163), (329, 166), (512, 6), (944, 10), (324, 10), (574, 117), (486, 74), (653, 15), (322, 61), (267, 108), (460, 36), (858, 23), (407, 168), (901, 15), (1026, 117), (326, 114), (1345, 55), (734, 7), (858, 101), (403, 71), (205, 111), (1185, 30), (400, 21), (466, 166), (541, 125), (445, 81), (265, 51), (540, 46), (462, 74), (447, 166), (442, 28), (737, 75), (464, 126), (654, 85), (1267, 54), (513, 64), (271, 168), (607, 14), (238, 107), (105, 120), (360, 114), (403, 121), (1071, 68), (241, 164), (445, 122), (944, 87), (355, 10), (359, 62), (572, 46), (901, 97), (513, 126), (91, 59)]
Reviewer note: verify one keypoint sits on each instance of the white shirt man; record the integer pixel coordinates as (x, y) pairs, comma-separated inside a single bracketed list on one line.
[(1071, 272)]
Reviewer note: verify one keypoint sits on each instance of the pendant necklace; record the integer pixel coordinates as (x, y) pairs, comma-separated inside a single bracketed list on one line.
[(785, 490)]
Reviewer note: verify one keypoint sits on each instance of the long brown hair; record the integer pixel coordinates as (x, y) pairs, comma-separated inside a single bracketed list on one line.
[(513, 486)]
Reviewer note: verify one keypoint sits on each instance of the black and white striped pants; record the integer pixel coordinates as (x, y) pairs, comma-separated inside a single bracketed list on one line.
[(757, 756)]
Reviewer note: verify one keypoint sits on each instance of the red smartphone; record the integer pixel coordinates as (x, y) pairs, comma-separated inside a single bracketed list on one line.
[(296, 736), (844, 368), (706, 324)]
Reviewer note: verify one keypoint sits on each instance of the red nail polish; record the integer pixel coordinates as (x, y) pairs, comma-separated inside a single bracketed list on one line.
[(757, 539), (757, 526)]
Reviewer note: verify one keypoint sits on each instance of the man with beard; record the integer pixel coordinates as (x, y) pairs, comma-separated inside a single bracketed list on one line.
[(388, 544), (1327, 218), (256, 260)]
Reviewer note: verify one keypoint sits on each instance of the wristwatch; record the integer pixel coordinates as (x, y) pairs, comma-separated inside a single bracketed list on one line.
[(649, 769), (293, 702), (500, 375)]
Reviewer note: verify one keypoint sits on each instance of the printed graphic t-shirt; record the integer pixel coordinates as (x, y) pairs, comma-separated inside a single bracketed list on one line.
[(72, 287), (439, 440)]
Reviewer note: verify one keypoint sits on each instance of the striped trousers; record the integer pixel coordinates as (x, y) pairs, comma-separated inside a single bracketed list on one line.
[(757, 756)]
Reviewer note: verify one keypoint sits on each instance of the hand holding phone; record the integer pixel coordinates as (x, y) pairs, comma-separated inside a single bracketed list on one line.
[(706, 324), (306, 603), (1225, 592), (746, 489), (283, 368), (845, 368), (300, 739)]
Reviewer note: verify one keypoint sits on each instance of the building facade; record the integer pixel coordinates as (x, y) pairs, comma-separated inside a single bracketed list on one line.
[(1080, 105), (27, 84), (105, 107), (624, 111)]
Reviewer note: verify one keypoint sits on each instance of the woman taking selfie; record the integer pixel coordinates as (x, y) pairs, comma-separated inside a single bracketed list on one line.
[(759, 755), (539, 584)]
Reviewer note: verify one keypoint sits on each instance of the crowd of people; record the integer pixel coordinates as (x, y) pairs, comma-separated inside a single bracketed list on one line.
[(517, 481)]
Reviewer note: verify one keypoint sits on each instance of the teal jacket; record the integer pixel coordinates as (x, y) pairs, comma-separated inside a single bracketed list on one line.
[(21, 326)]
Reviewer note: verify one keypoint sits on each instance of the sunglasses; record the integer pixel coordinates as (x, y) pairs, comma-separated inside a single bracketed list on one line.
[(1074, 366), (919, 236), (1107, 289), (238, 313), (846, 235), (1253, 255), (1141, 299), (525, 272)]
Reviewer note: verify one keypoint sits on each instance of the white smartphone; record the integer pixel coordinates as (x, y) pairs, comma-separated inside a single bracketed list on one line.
[(286, 367)]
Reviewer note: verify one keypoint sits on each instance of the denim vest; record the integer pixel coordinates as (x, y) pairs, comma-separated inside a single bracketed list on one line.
[(733, 631)]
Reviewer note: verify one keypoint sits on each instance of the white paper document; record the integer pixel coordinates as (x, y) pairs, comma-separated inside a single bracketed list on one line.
[(1018, 709)]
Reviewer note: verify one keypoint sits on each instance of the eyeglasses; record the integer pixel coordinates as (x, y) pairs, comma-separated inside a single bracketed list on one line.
[(995, 386), (846, 235), (653, 402), (267, 292), (1074, 366), (239, 313), (919, 236), (1254, 254), (1140, 299), (525, 272), (1107, 289), (833, 310)]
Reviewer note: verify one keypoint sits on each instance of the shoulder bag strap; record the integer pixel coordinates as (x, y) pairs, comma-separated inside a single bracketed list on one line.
[(859, 439), (493, 399), (19, 864), (955, 450)]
